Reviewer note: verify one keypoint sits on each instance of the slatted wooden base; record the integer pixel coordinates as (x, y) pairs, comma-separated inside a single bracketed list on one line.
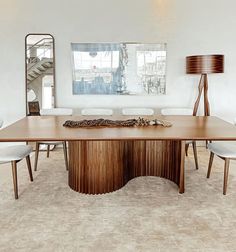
[(97, 167)]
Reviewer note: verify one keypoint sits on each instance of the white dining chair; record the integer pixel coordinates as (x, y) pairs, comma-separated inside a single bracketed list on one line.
[(183, 111), (176, 111), (226, 150), (96, 111), (56, 112), (53, 112), (13, 155), (137, 111)]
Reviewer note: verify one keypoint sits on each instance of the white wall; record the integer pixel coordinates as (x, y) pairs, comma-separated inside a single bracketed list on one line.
[(188, 26)]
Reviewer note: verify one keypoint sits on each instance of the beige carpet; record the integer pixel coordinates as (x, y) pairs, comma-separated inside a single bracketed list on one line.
[(147, 214)]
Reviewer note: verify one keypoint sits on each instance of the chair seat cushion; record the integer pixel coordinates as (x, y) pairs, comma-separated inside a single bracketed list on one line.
[(223, 149), (51, 142), (13, 153), (189, 142)]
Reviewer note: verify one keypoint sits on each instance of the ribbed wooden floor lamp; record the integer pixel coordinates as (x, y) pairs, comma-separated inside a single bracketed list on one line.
[(204, 64)]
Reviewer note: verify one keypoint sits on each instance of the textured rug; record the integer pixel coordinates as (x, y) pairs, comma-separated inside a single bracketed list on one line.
[(147, 214)]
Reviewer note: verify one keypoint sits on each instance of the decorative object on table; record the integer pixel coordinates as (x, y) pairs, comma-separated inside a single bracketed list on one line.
[(119, 68), (204, 64), (116, 123)]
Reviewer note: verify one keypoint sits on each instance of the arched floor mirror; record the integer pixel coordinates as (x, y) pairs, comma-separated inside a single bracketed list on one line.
[(39, 72)]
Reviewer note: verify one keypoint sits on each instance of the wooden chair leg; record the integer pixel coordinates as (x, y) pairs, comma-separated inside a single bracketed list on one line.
[(195, 154), (226, 175), (65, 155), (48, 150), (36, 156), (186, 149), (210, 164), (14, 176), (29, 167)]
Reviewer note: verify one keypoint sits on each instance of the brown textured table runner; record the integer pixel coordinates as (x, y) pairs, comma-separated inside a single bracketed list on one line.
[(116, 123)]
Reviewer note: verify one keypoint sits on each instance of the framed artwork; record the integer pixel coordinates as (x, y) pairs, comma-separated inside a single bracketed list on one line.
[(119, 68)]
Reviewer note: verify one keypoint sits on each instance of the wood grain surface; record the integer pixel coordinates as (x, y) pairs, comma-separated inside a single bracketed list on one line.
[(205, 64), (50, 128), (97, 167)]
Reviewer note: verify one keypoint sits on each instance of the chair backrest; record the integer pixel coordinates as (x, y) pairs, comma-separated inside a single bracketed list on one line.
[(56, 111), (33, 108), (1, 122), (177, 111), (137, 111), (96, 111)]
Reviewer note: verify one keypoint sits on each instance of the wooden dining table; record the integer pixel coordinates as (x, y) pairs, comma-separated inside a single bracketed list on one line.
[(104, 159)]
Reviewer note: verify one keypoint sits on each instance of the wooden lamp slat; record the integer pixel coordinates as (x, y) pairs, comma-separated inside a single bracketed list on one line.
[(205, 64)]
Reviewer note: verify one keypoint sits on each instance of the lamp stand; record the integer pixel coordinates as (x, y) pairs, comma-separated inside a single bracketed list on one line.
[(203, 84)]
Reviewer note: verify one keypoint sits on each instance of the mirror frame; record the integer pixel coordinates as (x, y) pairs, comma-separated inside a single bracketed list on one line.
[(54, 70)]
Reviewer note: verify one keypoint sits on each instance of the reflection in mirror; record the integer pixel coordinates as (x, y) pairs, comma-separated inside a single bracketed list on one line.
[(40, 70), (119, 68)]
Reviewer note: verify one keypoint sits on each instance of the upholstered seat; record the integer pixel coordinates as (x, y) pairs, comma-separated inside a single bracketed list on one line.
[(226, 150), (51, 142), (188, 142), (14, 153), (53, 112), (223, 149), (96, 111), (137, 111)]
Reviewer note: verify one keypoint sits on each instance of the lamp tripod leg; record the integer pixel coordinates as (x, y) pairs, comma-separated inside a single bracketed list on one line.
[(200, 88), (203, 84), (206, 101)]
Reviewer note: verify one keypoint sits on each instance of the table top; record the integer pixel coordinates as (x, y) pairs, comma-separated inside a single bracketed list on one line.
[(50, 128)]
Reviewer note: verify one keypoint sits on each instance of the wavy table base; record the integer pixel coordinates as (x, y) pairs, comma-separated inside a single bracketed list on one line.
[(97, 167)]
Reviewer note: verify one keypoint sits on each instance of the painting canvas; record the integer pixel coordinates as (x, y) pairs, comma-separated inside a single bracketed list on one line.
[(119, 68)]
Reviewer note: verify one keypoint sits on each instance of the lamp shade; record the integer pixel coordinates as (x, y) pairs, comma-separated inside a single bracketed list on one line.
[(205, 64)]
